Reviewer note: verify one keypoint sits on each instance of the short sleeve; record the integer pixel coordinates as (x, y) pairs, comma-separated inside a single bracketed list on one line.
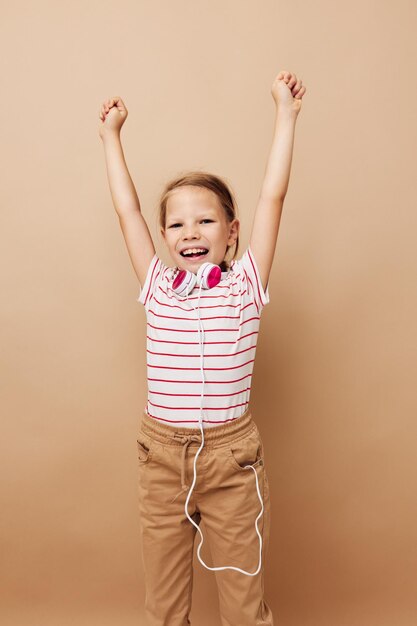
[(250, 267), (153, 276)]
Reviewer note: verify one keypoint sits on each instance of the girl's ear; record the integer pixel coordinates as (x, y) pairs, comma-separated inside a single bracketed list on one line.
[(234, 230)]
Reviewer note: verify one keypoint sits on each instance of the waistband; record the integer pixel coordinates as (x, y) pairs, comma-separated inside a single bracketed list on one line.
[(224, 433)]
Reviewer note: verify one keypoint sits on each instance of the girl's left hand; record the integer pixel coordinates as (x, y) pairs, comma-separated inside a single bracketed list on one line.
[(287, 91)]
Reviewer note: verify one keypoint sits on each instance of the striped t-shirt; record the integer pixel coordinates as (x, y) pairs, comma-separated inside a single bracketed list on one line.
[(230, 316)]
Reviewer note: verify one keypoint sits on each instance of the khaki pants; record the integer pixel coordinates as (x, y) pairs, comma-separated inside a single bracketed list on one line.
[(224, 497)]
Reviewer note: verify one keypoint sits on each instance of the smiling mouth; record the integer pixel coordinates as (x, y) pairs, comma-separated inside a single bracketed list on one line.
[(194, 255)]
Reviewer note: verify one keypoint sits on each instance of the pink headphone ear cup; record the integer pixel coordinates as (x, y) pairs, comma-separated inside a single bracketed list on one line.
[(209, 275), (184, 282)]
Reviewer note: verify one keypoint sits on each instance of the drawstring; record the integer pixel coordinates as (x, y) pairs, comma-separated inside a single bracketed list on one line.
[(185, 440)]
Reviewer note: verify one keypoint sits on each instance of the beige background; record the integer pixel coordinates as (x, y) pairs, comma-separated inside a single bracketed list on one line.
[(334, 384)]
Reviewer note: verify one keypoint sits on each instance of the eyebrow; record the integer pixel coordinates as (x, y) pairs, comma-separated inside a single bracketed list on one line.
[(210, 212)]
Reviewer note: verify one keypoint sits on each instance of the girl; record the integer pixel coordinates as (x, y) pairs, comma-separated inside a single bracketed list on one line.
[(200, 357)]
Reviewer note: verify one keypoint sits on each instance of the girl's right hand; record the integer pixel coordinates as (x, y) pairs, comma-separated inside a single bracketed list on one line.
[(113, 114)]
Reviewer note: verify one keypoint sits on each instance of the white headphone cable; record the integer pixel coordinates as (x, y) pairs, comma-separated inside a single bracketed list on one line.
[(195, 469)]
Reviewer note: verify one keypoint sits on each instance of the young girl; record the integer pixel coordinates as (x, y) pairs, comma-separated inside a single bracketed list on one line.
[(203, 319)]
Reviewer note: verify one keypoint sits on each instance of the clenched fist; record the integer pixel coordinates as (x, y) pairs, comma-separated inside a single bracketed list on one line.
[(113, 114), (287, 91)]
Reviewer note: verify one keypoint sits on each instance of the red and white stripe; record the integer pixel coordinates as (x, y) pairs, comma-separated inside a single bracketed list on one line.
[(230, 315)]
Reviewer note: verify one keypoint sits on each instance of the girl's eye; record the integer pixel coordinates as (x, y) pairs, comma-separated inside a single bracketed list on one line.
[(205, 220)]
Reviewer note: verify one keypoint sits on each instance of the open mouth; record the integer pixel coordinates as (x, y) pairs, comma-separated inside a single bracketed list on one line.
[(188, 254)]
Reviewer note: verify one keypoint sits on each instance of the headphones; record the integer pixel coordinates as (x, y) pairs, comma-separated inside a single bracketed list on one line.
[(208, 276)]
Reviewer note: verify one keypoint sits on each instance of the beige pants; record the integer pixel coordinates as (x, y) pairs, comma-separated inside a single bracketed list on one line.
[(224, 497)]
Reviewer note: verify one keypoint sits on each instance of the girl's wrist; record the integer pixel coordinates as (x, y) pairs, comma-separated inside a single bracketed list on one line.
[(109, 133), (285, 113)]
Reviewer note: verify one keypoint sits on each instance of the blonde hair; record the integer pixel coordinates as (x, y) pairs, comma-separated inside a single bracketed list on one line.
[(208, 181)]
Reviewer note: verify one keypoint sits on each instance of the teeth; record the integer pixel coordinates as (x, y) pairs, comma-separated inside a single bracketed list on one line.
[(193, 251)]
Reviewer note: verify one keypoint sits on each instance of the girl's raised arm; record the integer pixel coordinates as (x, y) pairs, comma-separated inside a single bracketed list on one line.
[(113, 114), (287, 93)]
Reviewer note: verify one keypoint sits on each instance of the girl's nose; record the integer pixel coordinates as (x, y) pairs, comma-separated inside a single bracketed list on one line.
[(191, 234)]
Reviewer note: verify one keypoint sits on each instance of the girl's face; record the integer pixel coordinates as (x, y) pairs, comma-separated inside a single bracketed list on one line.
[(194, 219)]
